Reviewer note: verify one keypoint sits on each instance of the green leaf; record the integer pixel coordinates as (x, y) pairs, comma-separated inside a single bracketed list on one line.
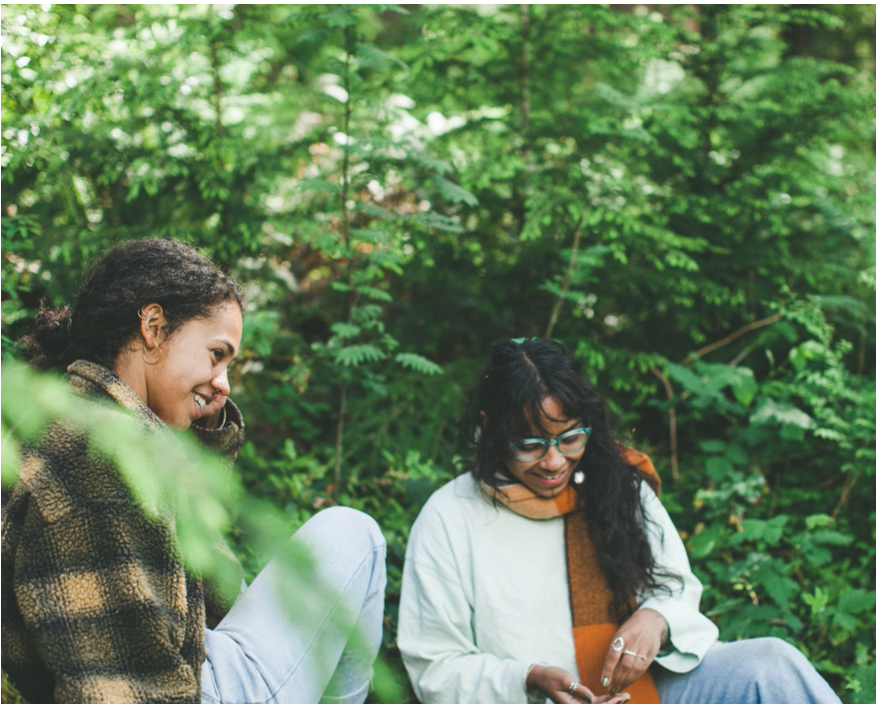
[(770, 532), (418, 363), (857, 601), (705, 542), (744, 386), (782, 413), (718, 468), (376, 58), (376, 294), (713, 446), (355, 355), (345, 330), (339, 17), (452, 192), (818, 520)]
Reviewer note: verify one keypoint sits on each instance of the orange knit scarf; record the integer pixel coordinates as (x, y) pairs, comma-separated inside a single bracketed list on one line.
[(592, 626)]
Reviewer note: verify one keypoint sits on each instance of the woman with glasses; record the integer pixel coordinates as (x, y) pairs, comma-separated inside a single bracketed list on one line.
[(550, 569)]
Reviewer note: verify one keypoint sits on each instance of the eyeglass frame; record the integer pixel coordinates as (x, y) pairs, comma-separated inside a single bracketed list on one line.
[(546, 444)]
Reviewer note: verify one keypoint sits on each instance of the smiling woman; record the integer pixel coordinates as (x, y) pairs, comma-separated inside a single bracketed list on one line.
[(186, 380), (163, 318), (97, 604), (551, 571)]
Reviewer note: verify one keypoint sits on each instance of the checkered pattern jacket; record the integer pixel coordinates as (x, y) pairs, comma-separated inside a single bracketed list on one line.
[(96, 604)]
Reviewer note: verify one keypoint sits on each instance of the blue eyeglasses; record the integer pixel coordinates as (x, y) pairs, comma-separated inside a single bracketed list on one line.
[(533, 449)]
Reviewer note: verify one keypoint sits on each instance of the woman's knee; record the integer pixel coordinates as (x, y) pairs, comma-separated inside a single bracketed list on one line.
[(776, 650), (769, 657), (348, 524)]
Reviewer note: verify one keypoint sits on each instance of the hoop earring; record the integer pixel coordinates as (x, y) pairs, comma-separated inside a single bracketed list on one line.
[(152, 351)]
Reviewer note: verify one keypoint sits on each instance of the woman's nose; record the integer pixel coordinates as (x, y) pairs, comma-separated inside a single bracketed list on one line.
[(220, 383), (553, 459)]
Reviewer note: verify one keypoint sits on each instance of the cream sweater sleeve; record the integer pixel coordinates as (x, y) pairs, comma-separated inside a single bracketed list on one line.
[(691, 634), (435, 635)]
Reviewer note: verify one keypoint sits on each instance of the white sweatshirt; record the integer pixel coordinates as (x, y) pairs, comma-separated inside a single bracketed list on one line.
[(485, 593)]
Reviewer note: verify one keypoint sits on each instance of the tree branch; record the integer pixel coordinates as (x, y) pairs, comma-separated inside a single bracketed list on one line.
[(732, 336), (847, 490), (673, 428)]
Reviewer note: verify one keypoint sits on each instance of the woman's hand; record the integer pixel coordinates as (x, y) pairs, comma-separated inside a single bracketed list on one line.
[(556, 683), (642, 635)]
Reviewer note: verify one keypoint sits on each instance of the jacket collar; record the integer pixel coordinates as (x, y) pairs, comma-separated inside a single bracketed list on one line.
[(96, 381)]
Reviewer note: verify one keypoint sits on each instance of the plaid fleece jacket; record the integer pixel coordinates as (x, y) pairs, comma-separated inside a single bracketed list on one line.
[(97, 606)]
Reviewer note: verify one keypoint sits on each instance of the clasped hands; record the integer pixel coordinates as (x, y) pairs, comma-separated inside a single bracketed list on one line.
[(634, 647)]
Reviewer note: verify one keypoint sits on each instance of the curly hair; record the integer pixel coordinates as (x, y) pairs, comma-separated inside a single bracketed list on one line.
[(186, 284), (522, 373)]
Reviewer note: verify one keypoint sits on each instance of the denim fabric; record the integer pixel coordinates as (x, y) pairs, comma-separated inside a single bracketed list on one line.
[(756, 671), (303, 636)]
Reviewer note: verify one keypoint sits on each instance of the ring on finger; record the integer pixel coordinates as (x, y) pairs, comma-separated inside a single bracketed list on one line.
[(574, 687), (617, 645), (635, 655)]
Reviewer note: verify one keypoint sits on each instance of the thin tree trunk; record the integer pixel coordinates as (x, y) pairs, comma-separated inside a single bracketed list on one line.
[(345, 233), (523, 83), (673, 427), (339, 443), (558, 304)]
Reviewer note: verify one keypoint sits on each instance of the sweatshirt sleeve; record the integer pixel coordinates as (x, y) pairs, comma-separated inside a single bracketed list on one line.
[(691, 633), (435, 636), (227, 440), (100, 591)]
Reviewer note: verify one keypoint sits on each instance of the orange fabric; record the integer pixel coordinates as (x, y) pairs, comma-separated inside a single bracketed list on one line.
[(524, 502), (592, 626), (591, 647), (643, 463)]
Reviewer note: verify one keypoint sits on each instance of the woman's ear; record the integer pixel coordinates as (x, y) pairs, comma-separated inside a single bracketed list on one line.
[(152, 325)]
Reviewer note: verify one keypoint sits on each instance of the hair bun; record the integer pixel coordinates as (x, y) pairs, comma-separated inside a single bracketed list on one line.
[(48, 346)]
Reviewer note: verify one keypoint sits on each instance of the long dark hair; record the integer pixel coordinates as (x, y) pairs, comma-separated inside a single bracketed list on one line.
[(521, 374), (186, 284)]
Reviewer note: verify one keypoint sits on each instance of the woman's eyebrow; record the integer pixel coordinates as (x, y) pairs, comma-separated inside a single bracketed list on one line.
[(229, 347), (571, 425)]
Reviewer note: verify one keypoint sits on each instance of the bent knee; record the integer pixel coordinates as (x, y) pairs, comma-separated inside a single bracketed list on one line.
[(354, 524), (771, 657), (772, 649)]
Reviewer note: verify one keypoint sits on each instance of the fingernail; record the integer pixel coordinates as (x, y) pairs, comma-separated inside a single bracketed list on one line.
[(605, 681), (588, 698), (612, 691)]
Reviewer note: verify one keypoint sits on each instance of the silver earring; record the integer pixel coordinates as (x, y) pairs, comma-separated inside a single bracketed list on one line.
[(150, 352), (578, 477)]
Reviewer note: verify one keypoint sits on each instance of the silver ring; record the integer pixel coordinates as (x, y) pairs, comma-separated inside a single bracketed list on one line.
[(617, 644), (635, 655), (574, 688)]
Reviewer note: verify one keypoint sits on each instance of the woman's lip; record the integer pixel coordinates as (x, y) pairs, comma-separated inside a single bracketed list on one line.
[(199, 410), (553, 481)]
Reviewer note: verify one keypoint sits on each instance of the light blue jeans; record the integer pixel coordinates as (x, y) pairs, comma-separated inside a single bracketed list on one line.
[(293, 639), (756, 671)]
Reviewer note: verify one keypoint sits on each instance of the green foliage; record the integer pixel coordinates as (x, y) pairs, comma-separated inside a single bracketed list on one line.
[(683, 194)]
